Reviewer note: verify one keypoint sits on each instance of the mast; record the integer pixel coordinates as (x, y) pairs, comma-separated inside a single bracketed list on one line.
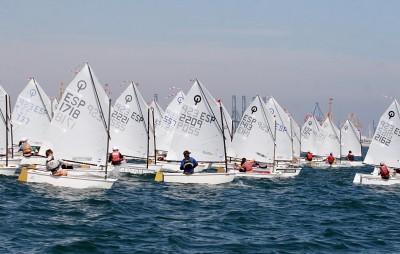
[(154, 136), (41, 99), (360, 141), (300, 141), (98, 101), (6, 130), (11, 128), (340, 145), (273, 167), (291, 137), (148, 137), (223, 136), (108, 136)]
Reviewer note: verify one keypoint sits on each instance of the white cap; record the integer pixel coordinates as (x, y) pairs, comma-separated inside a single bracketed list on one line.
[(115, 148), (24, 139)]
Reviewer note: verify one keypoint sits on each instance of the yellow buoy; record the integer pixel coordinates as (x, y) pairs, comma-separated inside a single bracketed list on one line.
[(159, 177), (23, 176)]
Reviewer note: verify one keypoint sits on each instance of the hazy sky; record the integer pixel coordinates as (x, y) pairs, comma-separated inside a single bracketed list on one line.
[(299, 52)]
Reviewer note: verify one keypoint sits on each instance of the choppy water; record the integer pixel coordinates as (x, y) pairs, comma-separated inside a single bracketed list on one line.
[(320, 211)]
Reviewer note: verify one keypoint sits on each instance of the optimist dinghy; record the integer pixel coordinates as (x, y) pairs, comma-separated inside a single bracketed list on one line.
[(257, 138), (132, 131), (200, 131), (78, 132), (385, 147)]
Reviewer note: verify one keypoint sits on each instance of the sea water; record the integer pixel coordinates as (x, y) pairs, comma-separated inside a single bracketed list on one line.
[(320, 211)]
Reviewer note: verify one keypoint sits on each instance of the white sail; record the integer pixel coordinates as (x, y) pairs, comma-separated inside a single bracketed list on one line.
[(169, 121), (78, 131), (31, 115), (385, 145), (350, 139), (253, 137), (329, 139), (158, 117), (283, 133), (129, 123), (228, 131), (309, 135), (296, 137), (198, 128)]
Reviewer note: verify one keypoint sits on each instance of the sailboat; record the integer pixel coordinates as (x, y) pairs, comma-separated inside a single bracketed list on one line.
[(256, 138), (78, 133), (31, 118), (284, 137), (131, 130), (199, 129), (310, 135), (350, 140), (327, 142), (385, 147)]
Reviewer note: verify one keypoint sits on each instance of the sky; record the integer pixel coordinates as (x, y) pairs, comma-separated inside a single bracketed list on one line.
[(298, 51)]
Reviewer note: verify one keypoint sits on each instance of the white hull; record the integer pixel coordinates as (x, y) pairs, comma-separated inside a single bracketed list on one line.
[(11, 162), (199, 178), (8, 171), (221, 165), (279, 173), (90, 172), (76, 182), (369, 179), (33, 160), (139, 169), (325, 165)]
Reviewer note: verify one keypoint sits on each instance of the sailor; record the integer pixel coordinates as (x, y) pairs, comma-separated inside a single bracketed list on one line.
[(330, 159), (54, 165), (309, 156), (246, 165), (350, 156), (384, 171), (115, 157), (25, 147), (188, 164)]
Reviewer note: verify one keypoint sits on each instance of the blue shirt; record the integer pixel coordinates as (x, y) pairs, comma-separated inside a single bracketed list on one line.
[(190, 159)]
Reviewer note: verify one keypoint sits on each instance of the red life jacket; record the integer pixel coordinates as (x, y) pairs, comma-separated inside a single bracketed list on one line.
[(309, 156), (350, 157), (115, 157), (248, 165), (384, 172), (330, 159)]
